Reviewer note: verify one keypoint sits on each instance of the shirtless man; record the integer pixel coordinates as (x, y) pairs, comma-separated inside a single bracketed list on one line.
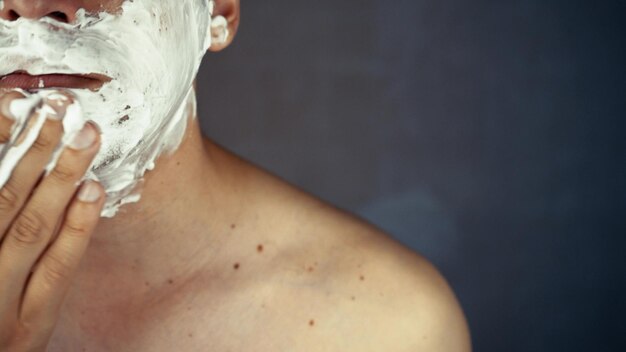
[(218, 255)]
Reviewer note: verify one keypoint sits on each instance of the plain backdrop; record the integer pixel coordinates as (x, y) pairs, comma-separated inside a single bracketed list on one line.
[(486, 135)]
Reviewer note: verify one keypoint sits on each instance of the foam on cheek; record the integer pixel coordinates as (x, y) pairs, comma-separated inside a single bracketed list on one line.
[(151, 51)]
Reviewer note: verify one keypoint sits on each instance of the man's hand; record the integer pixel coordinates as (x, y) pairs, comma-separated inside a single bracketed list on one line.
[(45, 226)]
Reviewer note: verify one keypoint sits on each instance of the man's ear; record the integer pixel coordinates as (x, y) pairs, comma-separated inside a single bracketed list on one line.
[(229, 9)]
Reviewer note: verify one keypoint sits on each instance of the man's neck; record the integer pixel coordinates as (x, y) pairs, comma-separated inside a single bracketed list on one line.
[(174, 230)]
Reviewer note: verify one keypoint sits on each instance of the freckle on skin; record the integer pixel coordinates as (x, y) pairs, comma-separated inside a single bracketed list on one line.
[(311, 322), (147, 283), (259, 248), (170, 281), (236, 266), (232, 226), (310, 269), (362, 277), (190, 335), (353, 298)]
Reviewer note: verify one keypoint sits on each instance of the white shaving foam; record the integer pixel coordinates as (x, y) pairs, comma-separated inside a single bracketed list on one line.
[(151, 50)]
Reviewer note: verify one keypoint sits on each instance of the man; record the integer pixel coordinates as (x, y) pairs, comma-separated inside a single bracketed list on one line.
[(217, 255)]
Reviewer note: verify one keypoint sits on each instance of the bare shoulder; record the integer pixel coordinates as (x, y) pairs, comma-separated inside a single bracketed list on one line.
[(332, 281), (398, 300), (356, 287)]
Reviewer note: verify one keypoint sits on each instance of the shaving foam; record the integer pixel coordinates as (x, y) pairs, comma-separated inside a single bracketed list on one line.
[(151, 50)]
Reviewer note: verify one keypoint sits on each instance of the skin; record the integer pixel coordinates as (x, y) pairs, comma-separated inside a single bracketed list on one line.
[(254, 265)]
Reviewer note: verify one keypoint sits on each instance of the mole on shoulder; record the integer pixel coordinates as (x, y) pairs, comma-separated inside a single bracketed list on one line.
[(259, 248), (236, 266), (170, 281)]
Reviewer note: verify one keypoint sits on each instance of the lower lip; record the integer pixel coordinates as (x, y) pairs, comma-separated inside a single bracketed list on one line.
[(28, 82)]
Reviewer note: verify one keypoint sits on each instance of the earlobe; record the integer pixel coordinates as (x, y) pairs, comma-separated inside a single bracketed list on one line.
[(224, 22), (219, 31)]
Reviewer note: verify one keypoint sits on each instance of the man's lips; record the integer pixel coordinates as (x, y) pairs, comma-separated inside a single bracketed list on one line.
[(27, 82)]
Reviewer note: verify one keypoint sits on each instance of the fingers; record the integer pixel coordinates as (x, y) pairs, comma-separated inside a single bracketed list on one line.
[(33, 227), (51, 278), (30, 168), (34, 207)]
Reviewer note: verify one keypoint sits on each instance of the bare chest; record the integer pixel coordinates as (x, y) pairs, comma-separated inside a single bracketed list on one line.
[(255, 325), (293, 315), (298, 300)]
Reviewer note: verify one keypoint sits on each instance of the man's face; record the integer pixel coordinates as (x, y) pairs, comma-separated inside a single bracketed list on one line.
[(130, 65)]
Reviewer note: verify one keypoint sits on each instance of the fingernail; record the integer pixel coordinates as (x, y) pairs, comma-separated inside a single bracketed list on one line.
[(48, 111), (85, 138), (56, 106), (5, 105), (89, 192)]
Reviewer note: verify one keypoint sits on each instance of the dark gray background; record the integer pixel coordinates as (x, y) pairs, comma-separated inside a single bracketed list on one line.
[(487, 135)]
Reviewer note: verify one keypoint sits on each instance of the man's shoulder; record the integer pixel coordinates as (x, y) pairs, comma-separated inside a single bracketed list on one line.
[(361, 287), (334, 281), (401, 300)]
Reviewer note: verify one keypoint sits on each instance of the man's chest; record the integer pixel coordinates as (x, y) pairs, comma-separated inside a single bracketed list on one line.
[(293, 303), (267, 327), (304, 317)]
